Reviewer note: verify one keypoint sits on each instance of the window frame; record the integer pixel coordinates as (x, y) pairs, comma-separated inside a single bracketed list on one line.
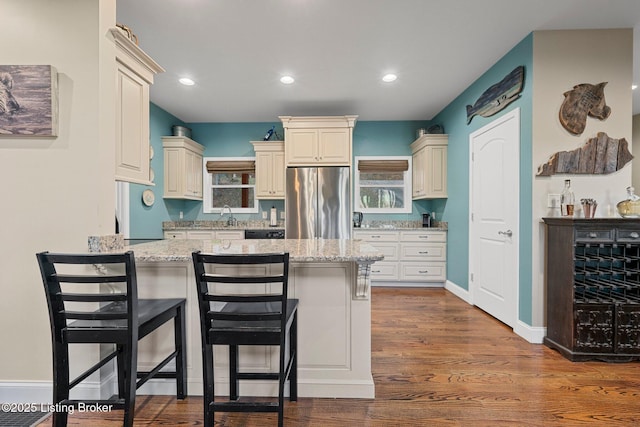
[(207, 185), (408, 179)]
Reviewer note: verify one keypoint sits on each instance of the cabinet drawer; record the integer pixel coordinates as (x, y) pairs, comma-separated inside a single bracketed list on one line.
[(377, 236), (390, 250), (230, 235), (201, 235), (628, 235), (423, 272), (423, 236), (384, 271), (591, 235), (425, 251), (175, 234)]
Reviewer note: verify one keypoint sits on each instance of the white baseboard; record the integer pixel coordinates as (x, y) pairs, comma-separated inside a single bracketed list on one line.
[(461, 293), (42, 391), (533, 334)]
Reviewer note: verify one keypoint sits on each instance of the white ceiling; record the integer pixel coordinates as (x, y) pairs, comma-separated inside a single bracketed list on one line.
[(338, 50)]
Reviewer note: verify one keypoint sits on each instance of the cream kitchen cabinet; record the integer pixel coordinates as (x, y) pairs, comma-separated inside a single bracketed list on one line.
[(314, 141), (182, 168), (429, 172), (411, 257), (270, 169), (134, 75)]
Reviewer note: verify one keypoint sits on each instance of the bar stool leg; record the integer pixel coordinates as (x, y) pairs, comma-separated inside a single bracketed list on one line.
[(60, 381), (208, 389), (181, 356), (131, 377), (233, 372)]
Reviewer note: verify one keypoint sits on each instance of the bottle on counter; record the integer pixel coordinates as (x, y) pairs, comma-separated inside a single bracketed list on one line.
[(567, 199), (630, 207)]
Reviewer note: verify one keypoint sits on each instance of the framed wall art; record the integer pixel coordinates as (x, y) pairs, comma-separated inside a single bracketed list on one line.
[(28, 100)]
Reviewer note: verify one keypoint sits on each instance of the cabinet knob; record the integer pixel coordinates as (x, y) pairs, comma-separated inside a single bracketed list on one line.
[(423, 271), (375, 237), (423, 237), (423, 252)]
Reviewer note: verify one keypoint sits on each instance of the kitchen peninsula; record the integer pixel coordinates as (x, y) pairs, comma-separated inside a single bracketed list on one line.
[(329, 277)]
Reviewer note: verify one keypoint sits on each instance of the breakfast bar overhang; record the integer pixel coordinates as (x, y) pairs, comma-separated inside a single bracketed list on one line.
[(329, 277)]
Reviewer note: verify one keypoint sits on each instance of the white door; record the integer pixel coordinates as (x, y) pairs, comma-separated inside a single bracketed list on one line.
[(493, 228)]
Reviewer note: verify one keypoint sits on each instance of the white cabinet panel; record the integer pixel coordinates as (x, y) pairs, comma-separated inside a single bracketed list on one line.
[(424, 251), (429, 168), (423, 236), (229, 234), (270, 169), (382, 270), (201, 234), (175, 234), (182, 168), (427, 272)]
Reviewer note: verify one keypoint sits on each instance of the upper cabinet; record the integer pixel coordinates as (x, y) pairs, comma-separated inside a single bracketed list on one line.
[(318, 140), (429, 159), (182, 168), (270, 169), (134, 75)]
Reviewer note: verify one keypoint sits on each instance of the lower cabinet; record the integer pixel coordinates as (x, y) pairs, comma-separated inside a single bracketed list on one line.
[(205, 234), (411, 257)]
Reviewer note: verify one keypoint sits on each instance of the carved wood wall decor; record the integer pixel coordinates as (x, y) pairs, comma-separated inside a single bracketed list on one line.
[(498, 96), (600, 155), (583, 100)]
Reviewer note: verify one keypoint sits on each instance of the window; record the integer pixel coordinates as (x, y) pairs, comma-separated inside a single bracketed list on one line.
[(229, 181), (383, 184)]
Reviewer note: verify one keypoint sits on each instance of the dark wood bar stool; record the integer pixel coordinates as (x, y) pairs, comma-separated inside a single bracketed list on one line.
[(231, 314), (99, 304)]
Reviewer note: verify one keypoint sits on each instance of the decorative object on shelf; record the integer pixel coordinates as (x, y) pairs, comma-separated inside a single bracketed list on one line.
[(583, 100), (630, 207), (28, 100), (435, 129), (148, 198), (128, 32), (269, 134), (589, 207), (498, 96), (420, 132), (600, 155), (178, 130)]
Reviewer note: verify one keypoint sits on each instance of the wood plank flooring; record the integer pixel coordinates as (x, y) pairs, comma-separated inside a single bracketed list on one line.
[(438, 361)]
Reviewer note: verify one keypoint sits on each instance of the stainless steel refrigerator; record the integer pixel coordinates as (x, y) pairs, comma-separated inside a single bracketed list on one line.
[(318, 203)]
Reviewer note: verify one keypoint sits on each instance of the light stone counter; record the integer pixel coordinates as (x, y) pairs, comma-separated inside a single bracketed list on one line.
[(303, 250)]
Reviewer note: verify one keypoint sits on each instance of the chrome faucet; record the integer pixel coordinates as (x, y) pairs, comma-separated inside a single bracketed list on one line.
[(231, 221)]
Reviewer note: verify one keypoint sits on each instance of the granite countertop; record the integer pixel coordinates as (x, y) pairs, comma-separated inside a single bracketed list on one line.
[(303, 250), (263, 224)]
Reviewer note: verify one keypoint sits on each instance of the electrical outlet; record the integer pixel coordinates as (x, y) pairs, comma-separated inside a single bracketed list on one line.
[(181, 215), (282, 215), (264, 214), (553, 201)]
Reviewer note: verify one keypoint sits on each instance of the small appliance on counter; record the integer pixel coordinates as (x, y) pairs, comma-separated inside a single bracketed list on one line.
[(357, 219), (426, 220)]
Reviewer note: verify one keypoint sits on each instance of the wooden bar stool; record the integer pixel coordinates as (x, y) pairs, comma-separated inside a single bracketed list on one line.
[(231, 314), (110, 313)]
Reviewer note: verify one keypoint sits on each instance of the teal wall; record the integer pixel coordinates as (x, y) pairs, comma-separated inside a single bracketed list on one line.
[(233, 140), (456, 208)]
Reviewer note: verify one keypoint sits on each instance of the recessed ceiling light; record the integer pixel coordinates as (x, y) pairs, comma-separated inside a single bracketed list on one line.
[(287, 80), (187, 81), (634, 87), (388, 78)]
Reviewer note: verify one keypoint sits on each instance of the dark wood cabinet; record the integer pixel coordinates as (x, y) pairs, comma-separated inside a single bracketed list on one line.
[(593, 288)]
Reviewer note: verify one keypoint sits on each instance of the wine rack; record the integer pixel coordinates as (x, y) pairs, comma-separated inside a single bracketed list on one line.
[(593, 288)]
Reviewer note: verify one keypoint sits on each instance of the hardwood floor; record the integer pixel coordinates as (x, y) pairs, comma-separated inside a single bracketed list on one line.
[(439, 362)]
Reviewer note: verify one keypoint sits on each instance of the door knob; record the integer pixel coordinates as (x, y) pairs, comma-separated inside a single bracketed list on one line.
[(507, 233)]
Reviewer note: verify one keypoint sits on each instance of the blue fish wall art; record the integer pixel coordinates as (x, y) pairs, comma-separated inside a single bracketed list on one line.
[(498, 96)]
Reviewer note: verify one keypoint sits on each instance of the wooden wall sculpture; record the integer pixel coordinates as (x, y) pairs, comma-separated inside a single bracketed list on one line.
[(583, 100), (498, 96), (600, 155)]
